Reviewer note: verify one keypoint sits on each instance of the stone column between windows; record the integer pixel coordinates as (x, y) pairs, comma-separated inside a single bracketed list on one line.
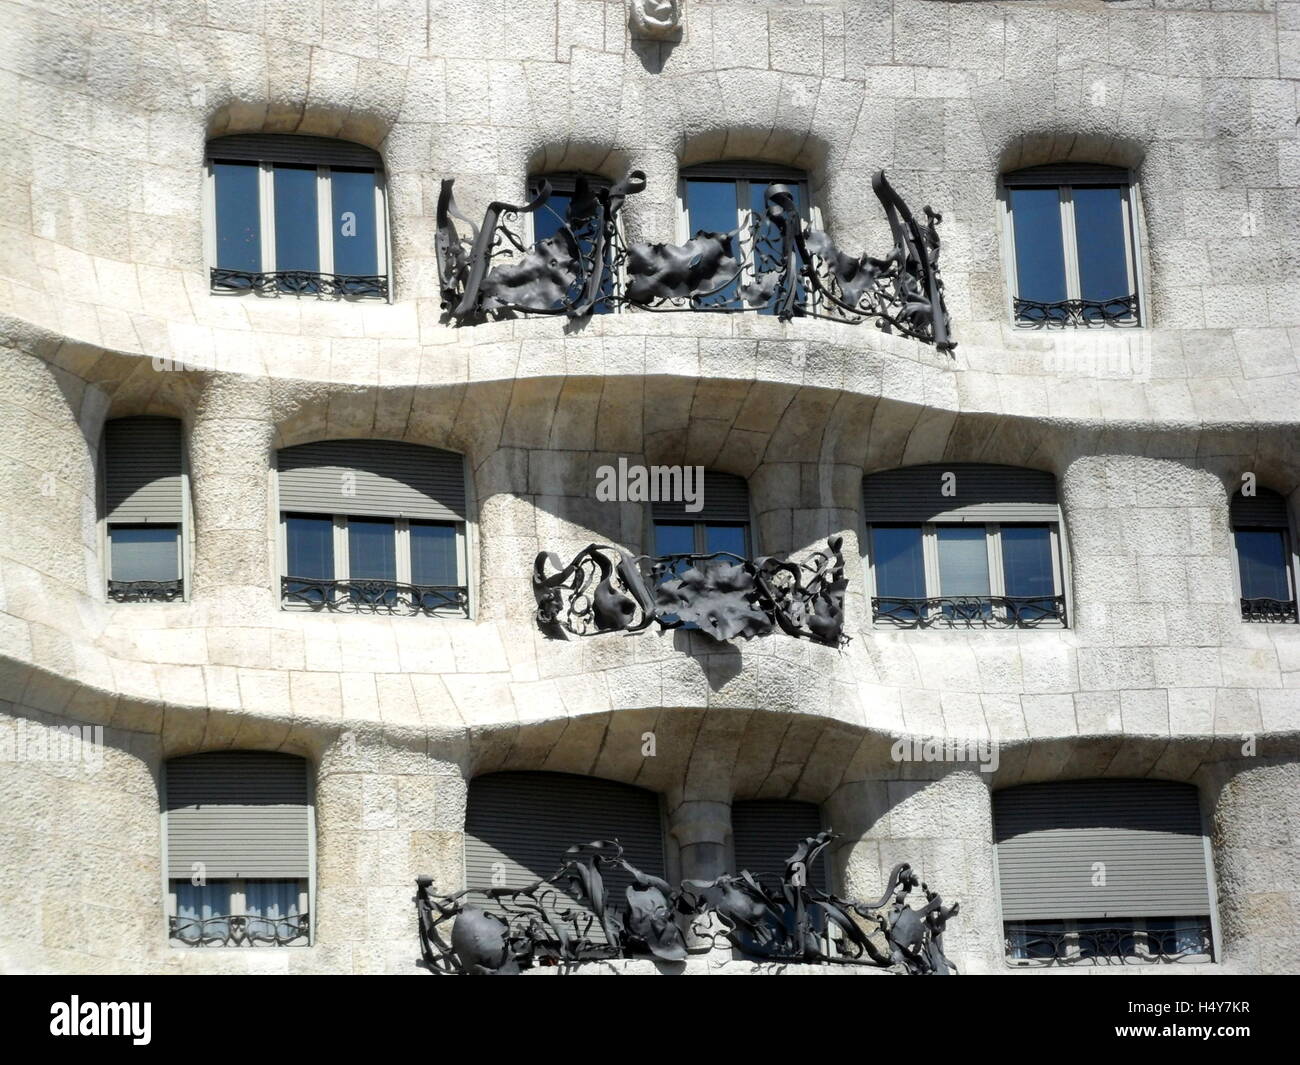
[(701, 828)]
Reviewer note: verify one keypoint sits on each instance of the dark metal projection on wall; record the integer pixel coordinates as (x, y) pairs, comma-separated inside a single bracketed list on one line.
[(778, 918), (779, 263), (606, 589)]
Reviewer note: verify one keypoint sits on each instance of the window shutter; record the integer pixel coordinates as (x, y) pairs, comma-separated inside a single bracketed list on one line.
[(376, 478), (983, 493), (726, 498), (1266, 509), (239, 814), (735, 170), (1147, 832), (1068, 174), (142, 464), (765, 832), (293, 148), (522, 823)]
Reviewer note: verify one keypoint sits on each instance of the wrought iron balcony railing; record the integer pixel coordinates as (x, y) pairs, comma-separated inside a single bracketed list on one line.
[(570, 918), (241, 930), (1269, 610), (1112, 945), (970, 611), (372, 596), (606, 589), (299, 283), (778, 263), (1123, 310), (146, 591)]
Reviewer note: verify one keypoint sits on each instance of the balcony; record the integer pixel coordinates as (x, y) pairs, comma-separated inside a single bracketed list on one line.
[(373, 597), (779, 264)]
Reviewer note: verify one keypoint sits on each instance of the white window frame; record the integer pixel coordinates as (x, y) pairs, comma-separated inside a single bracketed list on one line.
[(324, 223), (700, 529), (1131, 199), (993, 545)]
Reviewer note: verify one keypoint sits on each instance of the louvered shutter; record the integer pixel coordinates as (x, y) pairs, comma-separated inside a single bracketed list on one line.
[(765, 832), (1146, 832), (524, 822), (293, 148), (726, 498), (982, 493), (376, 478), (734, 170), (1266, 509), (1068, 174), (239, 814), (142, 471)]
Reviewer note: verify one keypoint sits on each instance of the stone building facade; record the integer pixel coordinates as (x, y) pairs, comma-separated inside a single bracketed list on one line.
[(109, 312)]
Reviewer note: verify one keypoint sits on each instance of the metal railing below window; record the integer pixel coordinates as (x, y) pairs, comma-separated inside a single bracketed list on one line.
[(299, 283), (1180, 939), (970, 611), (146, 591), (241, 930), (1269, 610), (1122, 310), (364, 596)]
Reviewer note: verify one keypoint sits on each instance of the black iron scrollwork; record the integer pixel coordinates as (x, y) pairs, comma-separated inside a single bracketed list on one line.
[(606, 589), (1115, 944), (1122, 310), (775, 263), (1269, 610), (299, 283), (146, 591), (568, 919), (970, 611), (240, 930), (362, 596)]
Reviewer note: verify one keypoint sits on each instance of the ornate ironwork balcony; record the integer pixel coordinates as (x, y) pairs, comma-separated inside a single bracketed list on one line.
[(970, 611), (1269, 610), (1114, 945), (778, 263), (241, 930), (299, 283), (567, 919), (372, 596), (1123, 310), (146, 591), (606, 589)]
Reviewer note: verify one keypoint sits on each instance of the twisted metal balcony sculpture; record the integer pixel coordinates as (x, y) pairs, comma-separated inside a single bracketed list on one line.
[(240, 930), (567, 919), (146, 591), (606, 589), (777, 263)]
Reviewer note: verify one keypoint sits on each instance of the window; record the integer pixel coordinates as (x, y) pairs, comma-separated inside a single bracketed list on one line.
[(1071, 245), (1264, 556), (1103, 872), (731, 198), (238, 830), (563, 209), (721, 525), (373, 526), (296, 214), (144, 502), (964, 544)]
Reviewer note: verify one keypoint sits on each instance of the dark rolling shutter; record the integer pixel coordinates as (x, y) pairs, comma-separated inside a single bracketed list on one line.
[(1147, 832), (735, 169), (726, 498), (380, 478), (1266, 509), (293, 148), (1068, 174), (765, 832), (526, 821), (239, 813), (142, 471), (982, 493)]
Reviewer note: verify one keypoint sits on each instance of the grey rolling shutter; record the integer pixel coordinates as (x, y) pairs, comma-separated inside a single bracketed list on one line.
[(1068, 174), (726, 498), (378, 478), (765, 832), (524, 822), (239, 813), (142, 471), (1147, 832), (1265, 509), (769, 172), (293, 148), (983, 493)]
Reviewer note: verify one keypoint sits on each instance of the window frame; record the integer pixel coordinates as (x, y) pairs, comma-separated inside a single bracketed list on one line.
[(1126, 180), (1290, 551), (700, 533), (324, 224)]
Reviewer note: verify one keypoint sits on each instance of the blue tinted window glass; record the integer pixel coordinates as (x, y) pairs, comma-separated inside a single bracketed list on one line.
[(239, 239), (1027, 560), (1099, 233), (726, 538), (898, 560), (548, 220), (1040, 252), (674, 539), (963, 560), (554, 213), (352, 194), (201, 910), (711, 206), (1261, 557), (433, 555), (297, 237), (269, 904), (144, 552), (372, 549), (310, 543)]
